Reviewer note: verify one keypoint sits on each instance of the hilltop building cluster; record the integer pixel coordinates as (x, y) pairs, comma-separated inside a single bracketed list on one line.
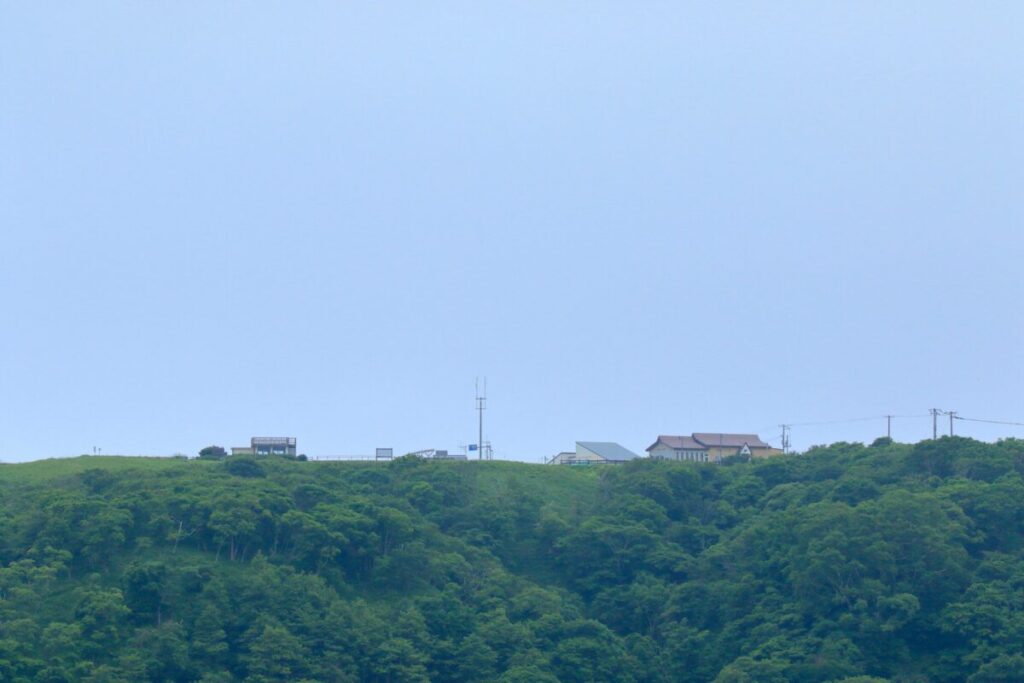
[(287, 446), (703, 447), (710, 447)]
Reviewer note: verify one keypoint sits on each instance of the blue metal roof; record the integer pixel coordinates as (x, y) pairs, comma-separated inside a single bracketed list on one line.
[(609, 450)]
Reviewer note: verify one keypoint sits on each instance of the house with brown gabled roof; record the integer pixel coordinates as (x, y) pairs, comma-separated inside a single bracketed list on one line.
[(710, 447)]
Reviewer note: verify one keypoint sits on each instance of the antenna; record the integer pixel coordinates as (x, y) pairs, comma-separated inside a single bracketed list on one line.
[(481, 405)]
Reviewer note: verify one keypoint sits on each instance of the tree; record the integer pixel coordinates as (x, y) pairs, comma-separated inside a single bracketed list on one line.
[(1002, 669), (103, 617), (527, 674), (905, 562), (213, 453), (158, 654), (144, 587), (276, 655), (208, 635), (244, 467), (748, 670), (396, 660)]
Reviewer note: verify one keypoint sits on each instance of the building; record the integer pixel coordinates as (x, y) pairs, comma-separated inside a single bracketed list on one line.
[(710, 447), (267, 445), (273, 445), (564, 458), (445, 455), (594, 453), (438, 454), (678, 448)]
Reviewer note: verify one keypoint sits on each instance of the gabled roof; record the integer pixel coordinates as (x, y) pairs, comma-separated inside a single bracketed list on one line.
[(711, 440), (679, 443), (608, 450)]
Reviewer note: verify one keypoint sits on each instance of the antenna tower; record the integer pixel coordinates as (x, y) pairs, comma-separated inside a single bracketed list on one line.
[(481, 405)]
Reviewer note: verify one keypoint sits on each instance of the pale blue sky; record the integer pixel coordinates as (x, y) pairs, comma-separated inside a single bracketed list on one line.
[(324, 220)]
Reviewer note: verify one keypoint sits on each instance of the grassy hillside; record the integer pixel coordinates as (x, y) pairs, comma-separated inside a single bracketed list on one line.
[(41, 471), (897, 562)]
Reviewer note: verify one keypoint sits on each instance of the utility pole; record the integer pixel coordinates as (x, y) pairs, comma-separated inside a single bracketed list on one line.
[(785, 438), (952, 415), (480, 406), (888, 427), (935, 422)]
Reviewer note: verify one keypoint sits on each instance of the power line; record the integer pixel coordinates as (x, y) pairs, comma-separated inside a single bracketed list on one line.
[(787, 428), (934, 413), (852, 419), (993, 422)]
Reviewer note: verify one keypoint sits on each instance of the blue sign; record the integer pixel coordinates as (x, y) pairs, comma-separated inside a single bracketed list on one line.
[(472, 446)]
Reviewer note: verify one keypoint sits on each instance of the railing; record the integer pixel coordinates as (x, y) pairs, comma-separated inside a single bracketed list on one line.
[(336, 458)]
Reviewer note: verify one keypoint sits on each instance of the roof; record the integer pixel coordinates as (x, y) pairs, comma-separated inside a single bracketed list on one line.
[(679, 443), (273, 440), (730, 440), (608, 450)]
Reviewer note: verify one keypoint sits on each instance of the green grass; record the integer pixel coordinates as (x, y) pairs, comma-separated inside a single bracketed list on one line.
[(40, 471), (561, 486), (558, 485)]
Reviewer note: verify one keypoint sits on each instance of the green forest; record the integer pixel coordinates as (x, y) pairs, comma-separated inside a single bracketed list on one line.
[(855, 563)]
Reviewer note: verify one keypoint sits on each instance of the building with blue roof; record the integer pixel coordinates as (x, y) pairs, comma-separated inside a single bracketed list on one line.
[(594, 453)]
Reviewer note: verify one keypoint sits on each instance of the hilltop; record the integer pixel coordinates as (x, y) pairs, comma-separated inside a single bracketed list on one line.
[(893, 561)]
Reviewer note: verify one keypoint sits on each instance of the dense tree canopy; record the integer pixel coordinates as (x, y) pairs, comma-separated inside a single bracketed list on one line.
[(213, 453), (848, 563)]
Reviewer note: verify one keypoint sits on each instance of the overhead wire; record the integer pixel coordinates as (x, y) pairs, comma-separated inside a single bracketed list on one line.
[(870, 418), (883, 417), (852, 419), (993, 422)]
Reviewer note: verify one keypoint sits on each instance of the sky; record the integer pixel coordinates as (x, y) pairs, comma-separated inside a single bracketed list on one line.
[(327, 220)]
